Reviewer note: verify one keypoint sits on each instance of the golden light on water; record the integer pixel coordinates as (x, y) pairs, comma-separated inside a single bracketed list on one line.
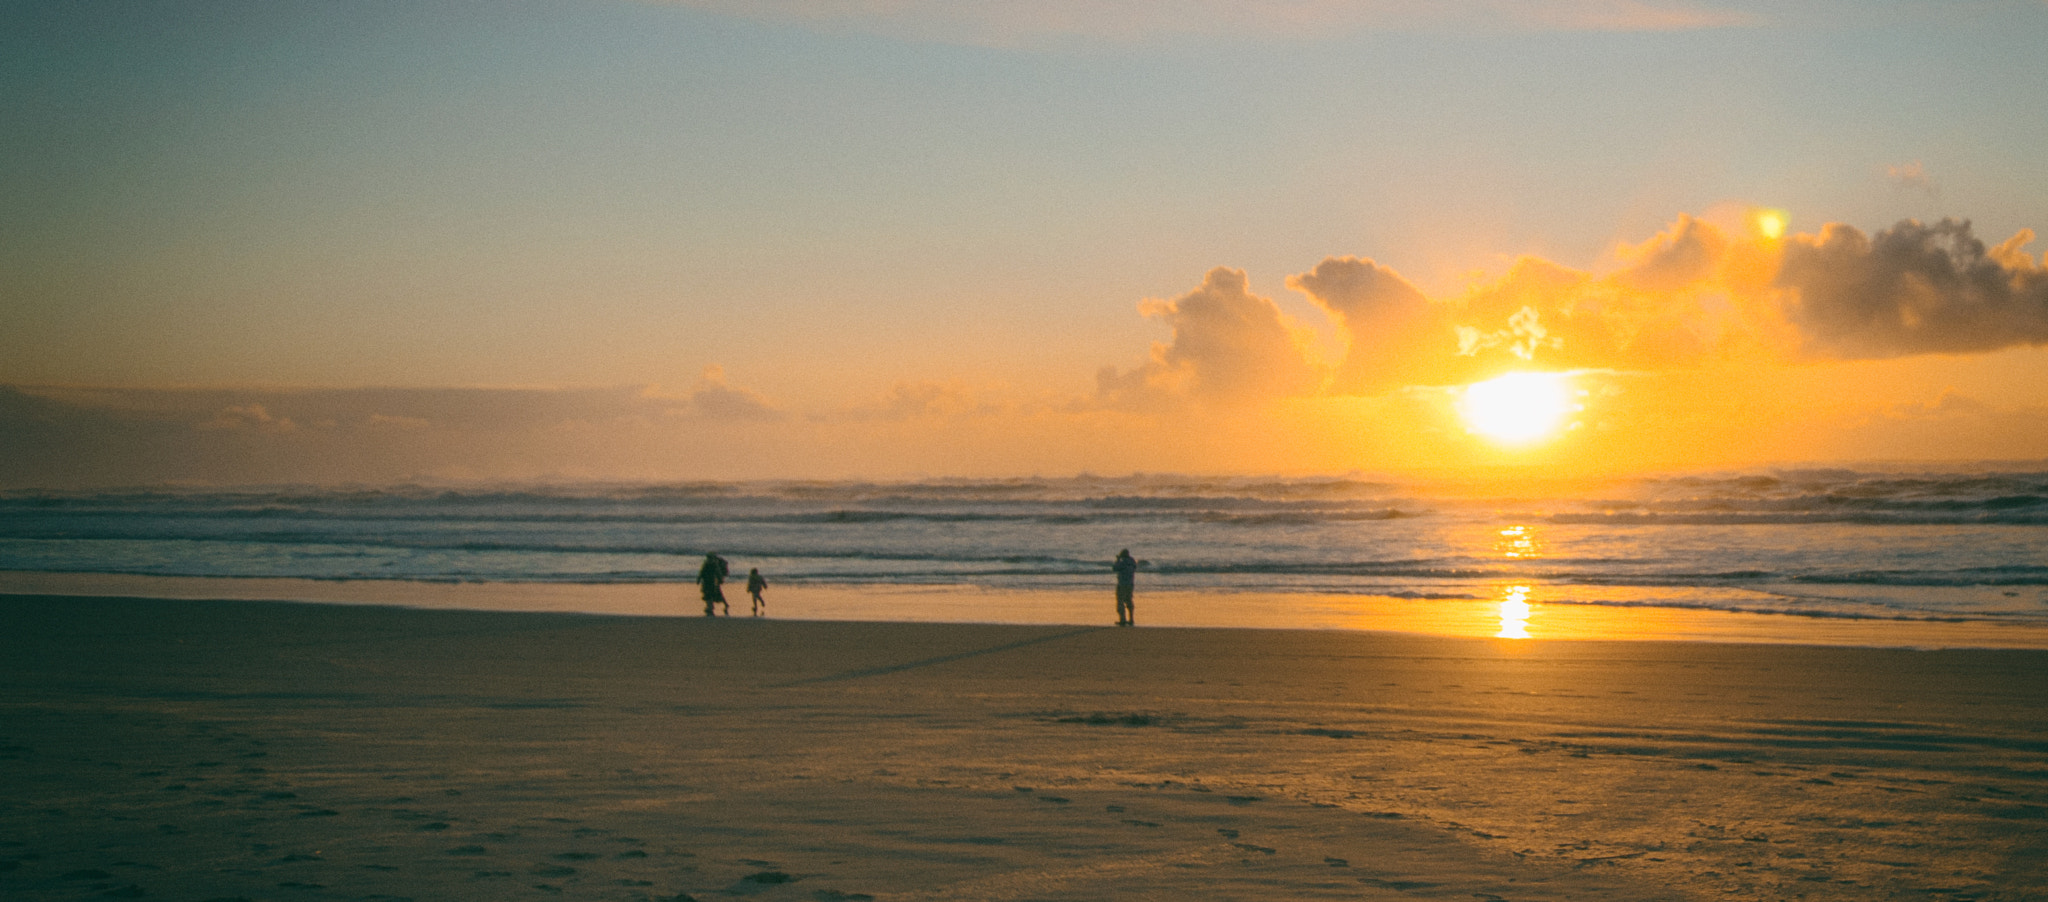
[(1514, 614), (1518, 408), (1518, 542)]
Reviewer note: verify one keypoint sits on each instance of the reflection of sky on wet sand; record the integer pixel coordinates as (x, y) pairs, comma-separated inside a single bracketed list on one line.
[(1632, 614), (1514, 613)]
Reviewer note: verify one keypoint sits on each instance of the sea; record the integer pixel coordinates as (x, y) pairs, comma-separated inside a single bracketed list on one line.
[(1954, 544)]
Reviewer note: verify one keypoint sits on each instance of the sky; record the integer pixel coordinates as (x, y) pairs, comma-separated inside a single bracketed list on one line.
[(308, 242)]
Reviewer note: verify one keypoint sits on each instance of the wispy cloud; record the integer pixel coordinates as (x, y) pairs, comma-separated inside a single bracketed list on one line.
[(70, 436), (716, 397), (1005, 23), (1911, 177)]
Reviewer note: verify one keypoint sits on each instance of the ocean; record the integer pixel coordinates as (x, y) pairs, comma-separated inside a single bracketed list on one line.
[(1966, 544)]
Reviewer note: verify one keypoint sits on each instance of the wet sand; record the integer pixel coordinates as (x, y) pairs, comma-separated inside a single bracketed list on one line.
[(1537, 618), (192, 749)]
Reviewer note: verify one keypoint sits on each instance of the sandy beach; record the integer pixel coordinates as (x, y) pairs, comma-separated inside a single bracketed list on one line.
[(205, 749)]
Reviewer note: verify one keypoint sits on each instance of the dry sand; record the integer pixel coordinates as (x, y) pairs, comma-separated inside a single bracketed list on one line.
[(221, 749)]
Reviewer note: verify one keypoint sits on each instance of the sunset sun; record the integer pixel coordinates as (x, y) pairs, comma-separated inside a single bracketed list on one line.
[(1517, 408), (1771, 223)]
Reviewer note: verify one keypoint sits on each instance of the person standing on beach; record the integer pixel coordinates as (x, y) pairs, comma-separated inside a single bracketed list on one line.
[(1126, 568), (710, 577), (755, 583)]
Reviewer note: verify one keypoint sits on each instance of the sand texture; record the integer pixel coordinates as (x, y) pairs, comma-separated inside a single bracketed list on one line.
[(248, 750)]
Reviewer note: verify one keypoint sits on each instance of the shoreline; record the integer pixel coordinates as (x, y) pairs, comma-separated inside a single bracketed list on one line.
[(1451, 618)]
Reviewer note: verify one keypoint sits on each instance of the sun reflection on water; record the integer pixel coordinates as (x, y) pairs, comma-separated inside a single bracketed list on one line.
[(1518, 542), (1514, 613)]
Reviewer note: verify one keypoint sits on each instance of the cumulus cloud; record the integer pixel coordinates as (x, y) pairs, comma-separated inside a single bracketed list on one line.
[(1913, 289), (1687, 295), (1687, 254), (1005, 23), (1695, 294), (1391, 334), (1229, 345)]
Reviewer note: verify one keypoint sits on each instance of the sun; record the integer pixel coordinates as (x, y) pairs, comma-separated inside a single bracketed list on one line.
[(1518, 408), (1771, 223)]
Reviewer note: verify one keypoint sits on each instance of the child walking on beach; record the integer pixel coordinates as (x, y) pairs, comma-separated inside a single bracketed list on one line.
[(755, 583)]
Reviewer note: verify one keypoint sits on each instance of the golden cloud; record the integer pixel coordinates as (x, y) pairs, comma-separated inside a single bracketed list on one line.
[(1693, 295)]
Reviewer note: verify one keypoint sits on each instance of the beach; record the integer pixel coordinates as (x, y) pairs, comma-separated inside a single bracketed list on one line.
[(216, 749), (906, 450)]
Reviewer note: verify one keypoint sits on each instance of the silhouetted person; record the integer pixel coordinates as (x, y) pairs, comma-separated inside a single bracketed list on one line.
[(755, 583), (1126, 568), (710, 577)]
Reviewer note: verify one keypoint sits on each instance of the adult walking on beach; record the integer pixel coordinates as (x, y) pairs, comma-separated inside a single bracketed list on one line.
[(710, 578), (1126, 568), (755, 583)]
